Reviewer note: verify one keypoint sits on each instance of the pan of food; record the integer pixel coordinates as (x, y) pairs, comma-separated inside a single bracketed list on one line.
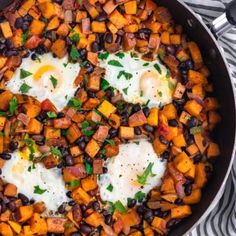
[(117, 117)]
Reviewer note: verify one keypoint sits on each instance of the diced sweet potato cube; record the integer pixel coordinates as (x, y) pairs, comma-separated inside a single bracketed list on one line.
[(126, 132), (98, 27), (15, 226), (213, 150), (200, 175), (10, 190), (183, 163), (39, 207), (194, 197), (181, 212), (191, 173), (89, 183), (56, 224), (80, 196), (91, 103), (211, 104), (6, 29), (114, 121), (137, 119), (196, 54), (23, 10), (50, 161), (201, 142), (193, 107), (153, 117), (165, 37), (130, 7), (106, 108), (179, 141), (192, 149), (53, 23), (5, 98), (169, 111), (101, 133), (97, 166), (25, 213), (36, 27), (168, 185), (32, 110), (47, 9), (2, 122), (59, 48), (179, 91), (75, 151), (158, 146), (95, 219), (184, 117), (109, 6), (159, 224), (38, 224), (92, 148), (5, 229), (73, 133), (34, 126), (52, 133), (62, 123), (111, 150), (196, 77), (117, 19), (71, 173)]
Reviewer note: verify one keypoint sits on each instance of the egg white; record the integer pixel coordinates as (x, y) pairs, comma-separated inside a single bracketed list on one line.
[(123, 169), (41, 87), (150, 81), (16, 171)]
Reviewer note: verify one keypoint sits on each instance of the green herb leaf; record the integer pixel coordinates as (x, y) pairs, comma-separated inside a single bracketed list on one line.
[(160, 93), (187, 117), (24, 74), (74, 183), (12, 105), (54, 81), (75, 103), (24, 37), (88, 168), (110, 141), (136, 142), (38, 190), (158, 68), (32, 167), (134, 55), (55, 151), (141, 94), (2, 113), (196, 130), (88, 133), (142, 179), (125, 90), (83, 64), (146, 64), (139, 196), (64, 132), (110, 187), (74, 54), (120, 55), (171, 86), (103, 56), (162, 55), (24, 88), (75, 38), (51, 114), (168, 74), (104, 84), (65, 64), (119, 105), (85, 124), (111, 207), (115, 63), (30, 144), (120, 207), (103, 151), (127, 75)]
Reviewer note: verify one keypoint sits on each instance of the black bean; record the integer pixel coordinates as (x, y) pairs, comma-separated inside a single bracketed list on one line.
[(192, 122), (5, 156), (170, 49), (145, 31), (96, 206), (165, 213), (184, 79), (109, 93), (178, 201), (82, 145), (60, 165), (12, 206), (69, 160), (71, 203), (148, 128), (61, 209), (10, 53), (79, 140), (105, 212), (91, 94), (2, 18), (40, 50), (88, 159), (148, 214), (60, 115), (48, 35), (89, 68), (146, 111), (137, 130), (101, 17), (140, 209), (208, 171), (77, 233), (188, 189), (32, 201), (3, 207), (0, 171), (23, 198), (119, 39), (157, 212), (68, 194), (109, 38), (95, 46), (58, 1), (25, 26), (156, 234), (86, 139), (136, 108), (173, 123), (197, 158), (132, 203), (40, 143), (83, 53), (28, 18), (108, 219), (13, 146), (105, 170), (33, 56), (171, 223), (85, 228), (123, 121), (83, 207), (182, 66), (42, 116), (112, 132), (163, 140), (189, 64), (9, 44)]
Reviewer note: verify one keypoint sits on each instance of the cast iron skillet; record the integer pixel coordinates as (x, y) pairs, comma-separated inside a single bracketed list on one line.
[(225, 133)]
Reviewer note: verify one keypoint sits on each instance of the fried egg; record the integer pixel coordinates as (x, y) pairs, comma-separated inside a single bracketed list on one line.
[(139, 81), (46, 77), (35, 182), (122, 181)]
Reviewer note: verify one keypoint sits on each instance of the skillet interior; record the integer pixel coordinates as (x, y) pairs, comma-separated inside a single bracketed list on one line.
[(225, 133)]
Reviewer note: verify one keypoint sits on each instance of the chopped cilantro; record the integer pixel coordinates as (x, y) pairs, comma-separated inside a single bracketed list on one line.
[(103, 55), (82, 64), (160, 93), (30, 144), (51, 114), (75, 38), (127, 75), (24, 37), (139, 196), (104, 84), (74, 183), (141, 94), (54, 81), (158, 68), (134, 55), (115, 63), (110, 187), (110, 141), (55, 151), (74, 54), (168, 73), (196, 130), (125, 90), (64, 132), (187, 117), (119, 105), (88, 133), (2, 113), (12, 105), (146, 64), (142, 179), (73, 102), (38, 190), (85, 124), (32, 167), (161, 55), (119, 206), (120, 55), (88, 168), (136, 142), (171, 86), (24, 88), (111, 207), (103, 151), (24, 74), (65, 64)]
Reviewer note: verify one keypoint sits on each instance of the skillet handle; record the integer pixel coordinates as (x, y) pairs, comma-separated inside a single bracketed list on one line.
[(226, 21)]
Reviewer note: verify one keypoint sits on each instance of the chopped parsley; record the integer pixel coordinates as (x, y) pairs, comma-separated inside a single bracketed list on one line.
[(120, 55), (142, 179), (88, 133), (38, 190), (85, 124), (24, 37), (146, 64), (110, 187), (103, 151), (115, 63), (104, 84), (127, 75), (168, 73), (64, 132), (12, 105), (139, 196), (75, 38), (74, 54), (196, 130), (125, 90), (2, 113), (24, 74), (103, 56), (136, 142), (83, 64), (56, 151), (51, 114), (74, 183), (54, 81), (111, 207), (110, 141), (73, 102), (24, 88), (88, 168), (158, 68), (119, 206)]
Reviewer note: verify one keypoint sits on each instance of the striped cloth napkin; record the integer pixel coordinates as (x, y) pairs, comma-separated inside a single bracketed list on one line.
[(222, 219)]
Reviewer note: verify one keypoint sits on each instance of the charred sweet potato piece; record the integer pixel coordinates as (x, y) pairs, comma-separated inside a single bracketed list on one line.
[(10, 190), (34, 126), (101, 133), (6, 29), (71, 173), (181, 212), (117, 19), (97, 166), (51, 133), (50, 161), (38, 224), (56, 224), (25, 213), (126, 132), (73, 133), (92, 148), (5, 229), (137, 119), (95, 219), (80, 196), (193, 107), (106, 108), (89, 183), (59, 48), (194, 197), (32, 110), (213, 150), (5, 98), (62, 123), (196, 54)]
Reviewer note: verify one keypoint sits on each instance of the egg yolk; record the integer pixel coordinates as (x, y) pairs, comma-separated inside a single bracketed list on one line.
[(42, 70)]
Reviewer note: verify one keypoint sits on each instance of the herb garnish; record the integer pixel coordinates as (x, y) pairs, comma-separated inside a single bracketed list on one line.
[(115, 63), (24, 37), (134, 55), (24, 74), (74, 54), (75, 37), (73, 102), (160, 93), (127, 75), (145, 64), (104, 84), (120, 55), (38, 190), (110, 187), (119, 206), (88, 168), (110, 141), (158, 68), (139, 196), (56, 151), (125, 90), (30, 144), (168, 73), (54, 81), (24, 88), (196, 130), (142, 179), (51, 114), (103, 56), (12, 105), (74, 183), (171, 86)]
